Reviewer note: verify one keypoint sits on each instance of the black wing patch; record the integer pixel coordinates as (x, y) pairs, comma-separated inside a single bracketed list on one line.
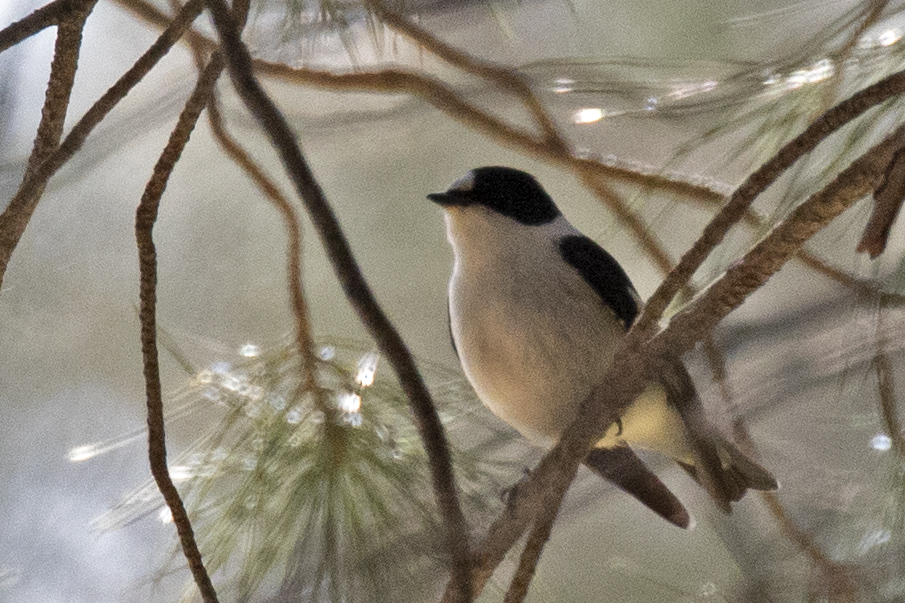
[(603, 273)]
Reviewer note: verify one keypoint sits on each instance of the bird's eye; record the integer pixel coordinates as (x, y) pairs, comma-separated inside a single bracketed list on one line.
[(463, 184)]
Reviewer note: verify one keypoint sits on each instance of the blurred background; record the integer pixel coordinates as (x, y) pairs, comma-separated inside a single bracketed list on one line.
[(705, 90)]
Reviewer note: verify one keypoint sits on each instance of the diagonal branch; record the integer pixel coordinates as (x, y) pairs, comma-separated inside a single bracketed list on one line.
[(627, 377), (145, 217), (549, 147), (17, 214), (358, 292), (507, 79), (442, 97), (68, 44), (543, 527), (48, 15), (837, 579), (760, 180)]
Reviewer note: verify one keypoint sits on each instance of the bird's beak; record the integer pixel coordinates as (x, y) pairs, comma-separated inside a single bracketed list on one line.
[(450, 199)]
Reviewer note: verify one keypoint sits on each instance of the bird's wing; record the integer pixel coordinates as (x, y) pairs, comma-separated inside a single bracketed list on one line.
[(604, 274), (622, 466)]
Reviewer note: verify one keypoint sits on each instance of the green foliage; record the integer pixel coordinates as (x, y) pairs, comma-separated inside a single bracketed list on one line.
[(334, 505)]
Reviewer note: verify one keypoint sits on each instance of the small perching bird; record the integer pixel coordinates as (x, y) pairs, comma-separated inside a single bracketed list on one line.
[(536, 310)]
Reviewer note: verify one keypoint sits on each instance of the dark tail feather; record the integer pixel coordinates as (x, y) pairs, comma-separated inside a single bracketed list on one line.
[(719, 466), (623, 467), (724, 471)]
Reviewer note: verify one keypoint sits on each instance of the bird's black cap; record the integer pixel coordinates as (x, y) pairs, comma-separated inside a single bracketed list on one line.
[(507, 191)]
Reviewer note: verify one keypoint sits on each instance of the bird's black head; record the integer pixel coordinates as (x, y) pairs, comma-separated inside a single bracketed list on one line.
[(507, 191)]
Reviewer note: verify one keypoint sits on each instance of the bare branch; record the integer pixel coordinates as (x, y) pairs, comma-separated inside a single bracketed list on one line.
[(145, 217), (357, 291), (757, 182), (627, 377), (59, 88), (837, 579), (151, 14), (507, 79), (543, 526), (240, 156), (17, 214), (435, 92), (888, 199), (46, 16)]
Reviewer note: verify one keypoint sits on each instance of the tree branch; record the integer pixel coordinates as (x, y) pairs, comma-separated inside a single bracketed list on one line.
[(358, 292), (445, 99), (635, 360), (145, 217), (47, 16), (757, 182), (507, 79), (543, 527), (17, 214)]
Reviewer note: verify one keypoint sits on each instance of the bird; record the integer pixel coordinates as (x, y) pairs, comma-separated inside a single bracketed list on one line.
[(536, 311)]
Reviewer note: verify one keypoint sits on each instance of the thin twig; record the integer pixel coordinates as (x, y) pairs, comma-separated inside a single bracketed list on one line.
[(549, 147), (886, 389), (507, 79), (837, 579), (16, 216), (627, 377), (240, 156), (543, 526), (46, 16), (593, 174), (835, 574), (590, 170), (145, 217), (59, 88), (358, 292), (872, 10), (757, 182)]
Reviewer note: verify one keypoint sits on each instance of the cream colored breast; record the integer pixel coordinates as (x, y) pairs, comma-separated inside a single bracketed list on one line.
[(532, 336)]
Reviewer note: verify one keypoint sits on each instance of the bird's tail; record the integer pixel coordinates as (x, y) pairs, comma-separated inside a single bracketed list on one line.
[(724, 470), (622, 466), (721, 468)]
